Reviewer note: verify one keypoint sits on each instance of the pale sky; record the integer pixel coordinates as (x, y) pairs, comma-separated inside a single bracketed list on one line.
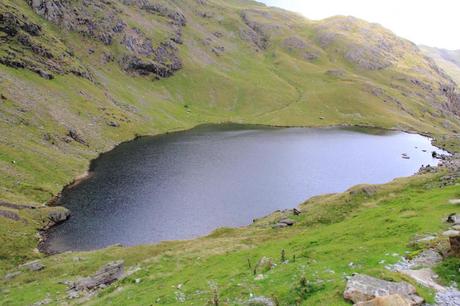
[(430, 22)]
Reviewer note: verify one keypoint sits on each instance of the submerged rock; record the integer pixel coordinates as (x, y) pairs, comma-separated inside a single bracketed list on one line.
[(363, 288)]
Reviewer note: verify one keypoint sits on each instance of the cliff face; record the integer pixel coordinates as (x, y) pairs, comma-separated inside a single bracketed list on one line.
[(79, 76)]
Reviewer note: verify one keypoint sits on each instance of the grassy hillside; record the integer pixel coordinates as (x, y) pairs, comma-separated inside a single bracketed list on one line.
[(335, 236), (78, 77), (449, 60), (234, 61)]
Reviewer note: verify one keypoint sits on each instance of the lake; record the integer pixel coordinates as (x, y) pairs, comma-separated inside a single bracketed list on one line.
[(186, 184)]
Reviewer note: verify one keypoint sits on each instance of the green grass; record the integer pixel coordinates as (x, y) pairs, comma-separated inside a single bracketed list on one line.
[(273, 87), (449, 270), (335, 236)]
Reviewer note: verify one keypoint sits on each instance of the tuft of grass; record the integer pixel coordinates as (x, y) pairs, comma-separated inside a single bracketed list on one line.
[(449, 271)]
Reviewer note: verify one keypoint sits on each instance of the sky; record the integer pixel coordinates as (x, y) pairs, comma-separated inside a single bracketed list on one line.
[(434, 23)]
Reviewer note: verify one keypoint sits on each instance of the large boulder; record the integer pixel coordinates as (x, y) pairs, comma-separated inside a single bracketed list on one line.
[(58, 215), (363, 288)]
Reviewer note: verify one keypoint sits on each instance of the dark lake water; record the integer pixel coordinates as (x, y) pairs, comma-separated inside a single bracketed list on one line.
[(183, 185)]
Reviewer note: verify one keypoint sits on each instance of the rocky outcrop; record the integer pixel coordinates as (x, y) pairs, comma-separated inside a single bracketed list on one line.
[(106, 275), (176, 16), (135, 41), (451, 92), (254, 32), (453, 218), (35, 265), (260, 301), (9, 215), (24, 44), (454, 240), (363, 288), (101, 20), (163, 62), (284, 222), (73, 134), (57, 215), (295, 43), (96, 19)]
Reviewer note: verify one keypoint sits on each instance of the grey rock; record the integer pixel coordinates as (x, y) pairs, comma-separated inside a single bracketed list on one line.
[(12, 275), (451, 233), (9, 215), (43, 302), (428, 258), (73, 294), (219, 50), (453, 218), (336, 73), (73, 134), (260, 301), (367, 190), (135, 41), (280, 225), (108, 274), (287, 221), (35, 265), (58, 215), (254, 32), (113, 124), (362, 288), (449, 297), (46, 75), (165, 11), (425, 239), (265, 264)]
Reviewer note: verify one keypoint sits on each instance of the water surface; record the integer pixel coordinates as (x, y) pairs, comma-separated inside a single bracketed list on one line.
[(183, 185)]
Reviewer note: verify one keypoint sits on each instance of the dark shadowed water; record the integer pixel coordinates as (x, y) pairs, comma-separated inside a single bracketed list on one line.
[(183, 185)]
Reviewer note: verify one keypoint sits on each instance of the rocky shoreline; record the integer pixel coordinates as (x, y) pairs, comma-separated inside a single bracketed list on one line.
[(448, 162)]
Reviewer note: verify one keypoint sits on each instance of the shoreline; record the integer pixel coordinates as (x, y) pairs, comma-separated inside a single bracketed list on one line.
[(53, 202)]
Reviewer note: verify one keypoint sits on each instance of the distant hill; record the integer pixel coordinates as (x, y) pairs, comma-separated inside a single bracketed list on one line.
[(449, 60)]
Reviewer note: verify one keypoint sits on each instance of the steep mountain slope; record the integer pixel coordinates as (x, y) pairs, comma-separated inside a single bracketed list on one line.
[(449, 60), (81, 76), (78, 77)]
